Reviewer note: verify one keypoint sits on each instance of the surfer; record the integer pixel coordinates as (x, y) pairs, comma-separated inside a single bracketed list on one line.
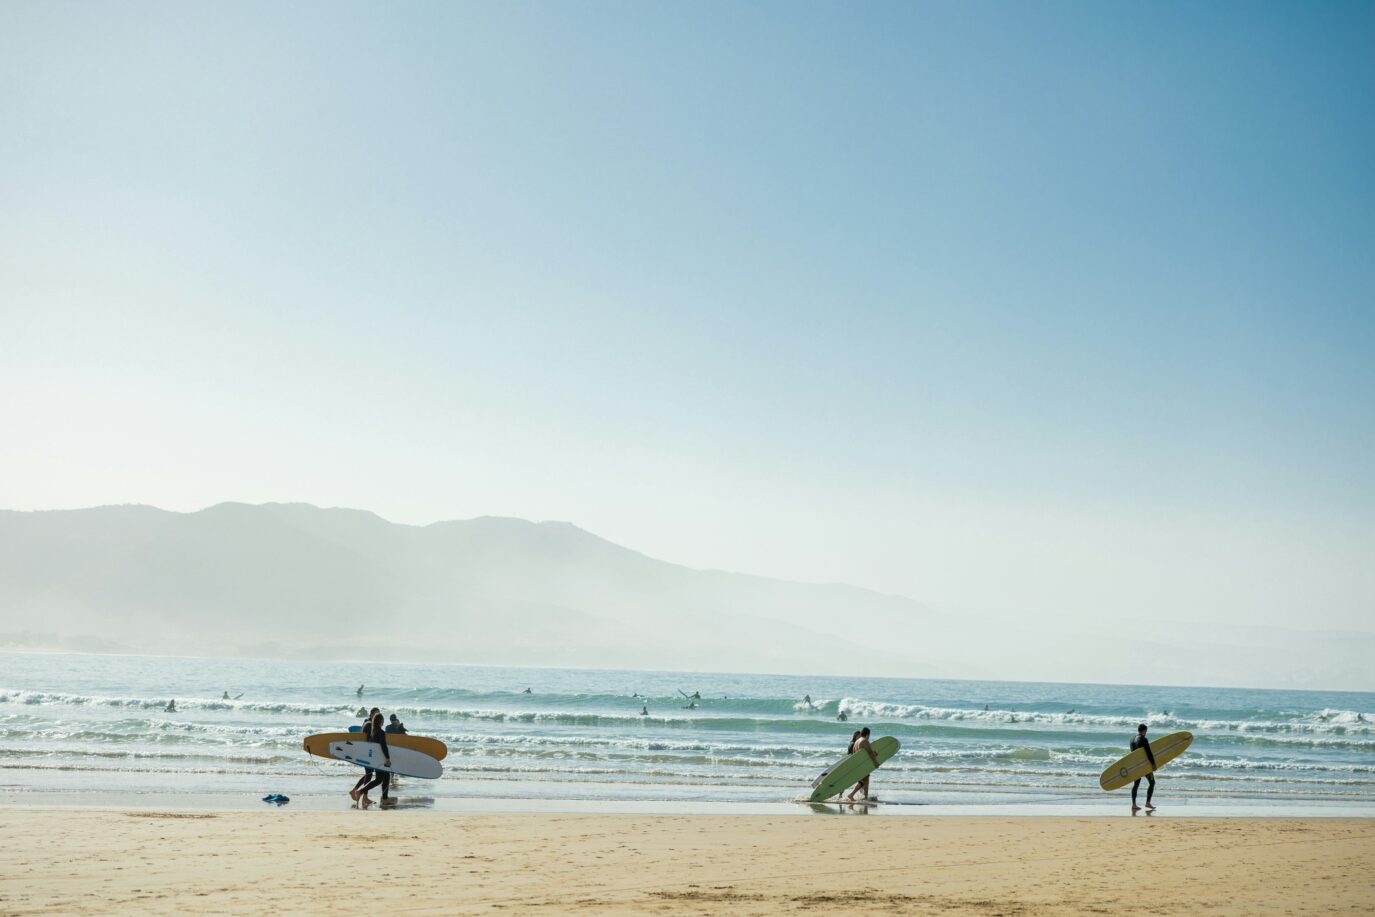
[(226, 696), (359, 692), (842, 716), (644, 710), (171, 706), (527, 691), (362, 712), (1142, 742), (695, 695), (396, 726), (380, 778), (690, 705), (861, 743)]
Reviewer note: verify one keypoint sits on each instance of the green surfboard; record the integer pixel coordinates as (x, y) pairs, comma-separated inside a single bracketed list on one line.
[(853, 769)]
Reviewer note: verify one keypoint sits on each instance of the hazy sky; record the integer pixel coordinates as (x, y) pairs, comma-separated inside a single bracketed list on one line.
[(1062, 310)]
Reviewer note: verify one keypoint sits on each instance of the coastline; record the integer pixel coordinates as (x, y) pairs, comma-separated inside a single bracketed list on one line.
[(414, 799), (123, 859)]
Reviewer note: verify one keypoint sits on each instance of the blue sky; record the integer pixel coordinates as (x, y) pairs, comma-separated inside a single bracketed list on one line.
[(1054, 309)]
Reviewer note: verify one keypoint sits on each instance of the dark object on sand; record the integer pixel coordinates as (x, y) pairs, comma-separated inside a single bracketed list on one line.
[(277, 798)]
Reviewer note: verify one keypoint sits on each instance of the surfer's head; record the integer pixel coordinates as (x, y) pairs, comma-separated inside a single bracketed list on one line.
[(864, 732), (1141, 728)]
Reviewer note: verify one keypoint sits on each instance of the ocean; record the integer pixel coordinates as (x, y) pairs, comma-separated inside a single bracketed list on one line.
[(91, 727)]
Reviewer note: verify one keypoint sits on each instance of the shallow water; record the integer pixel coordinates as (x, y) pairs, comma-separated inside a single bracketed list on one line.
[(74, 724)]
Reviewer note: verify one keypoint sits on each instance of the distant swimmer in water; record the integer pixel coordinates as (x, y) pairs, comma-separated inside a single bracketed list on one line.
[(171, 706), (842, 716), (636, 694), (695, 695), (359, 692), (226, 696), (527, 691), (985, 708), (644, 711), (1067, 712), (362, 712), (1142, 742)]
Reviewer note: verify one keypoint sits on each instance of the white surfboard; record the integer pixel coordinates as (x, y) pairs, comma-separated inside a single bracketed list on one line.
[(405, 761)]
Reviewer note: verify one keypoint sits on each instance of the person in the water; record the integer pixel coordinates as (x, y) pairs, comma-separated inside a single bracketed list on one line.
[(359, 692), (644, 710), (842, 716), (1142, 742), (171, 706)]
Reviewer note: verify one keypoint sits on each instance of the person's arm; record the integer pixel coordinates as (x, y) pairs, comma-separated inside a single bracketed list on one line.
[(1150, 755)]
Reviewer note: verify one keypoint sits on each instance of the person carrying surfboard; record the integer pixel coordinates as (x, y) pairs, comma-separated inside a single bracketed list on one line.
[(1142, 742), (363, 781), (380, 778), (861, 743)]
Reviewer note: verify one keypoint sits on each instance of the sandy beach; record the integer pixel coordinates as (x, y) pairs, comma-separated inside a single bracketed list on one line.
[(104, 861)]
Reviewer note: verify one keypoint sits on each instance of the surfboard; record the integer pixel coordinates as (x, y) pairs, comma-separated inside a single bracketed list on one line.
[(1136, 765), (318, 745), (405, 761), (852, 769)]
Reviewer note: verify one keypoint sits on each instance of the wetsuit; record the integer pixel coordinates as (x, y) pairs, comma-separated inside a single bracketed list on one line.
[(380, 778), (1142, 742), (367, 771)]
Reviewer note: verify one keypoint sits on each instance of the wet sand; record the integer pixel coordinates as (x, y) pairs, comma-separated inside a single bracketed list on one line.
[(103, 861)]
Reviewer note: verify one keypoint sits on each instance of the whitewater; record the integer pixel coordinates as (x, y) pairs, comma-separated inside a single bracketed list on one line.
[(87, 725)]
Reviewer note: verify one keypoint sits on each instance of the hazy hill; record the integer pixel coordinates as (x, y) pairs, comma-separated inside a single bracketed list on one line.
[(296, 580), (293, 579)]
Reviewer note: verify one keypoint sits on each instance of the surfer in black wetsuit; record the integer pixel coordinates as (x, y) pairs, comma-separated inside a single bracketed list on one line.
[(367, 737), (1142, 742), (380, 778)]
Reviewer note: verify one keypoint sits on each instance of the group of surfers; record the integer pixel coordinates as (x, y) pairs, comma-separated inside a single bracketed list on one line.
[(376, 729)]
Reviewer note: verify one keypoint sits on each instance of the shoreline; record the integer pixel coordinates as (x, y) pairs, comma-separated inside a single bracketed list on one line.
[(413, 800), (133, 860)]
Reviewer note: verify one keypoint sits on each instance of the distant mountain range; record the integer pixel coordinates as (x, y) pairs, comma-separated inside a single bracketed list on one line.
[(297, 581)]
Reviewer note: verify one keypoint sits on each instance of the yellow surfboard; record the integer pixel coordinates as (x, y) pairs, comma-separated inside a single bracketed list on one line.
[(1136, 765), (318, 744)]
